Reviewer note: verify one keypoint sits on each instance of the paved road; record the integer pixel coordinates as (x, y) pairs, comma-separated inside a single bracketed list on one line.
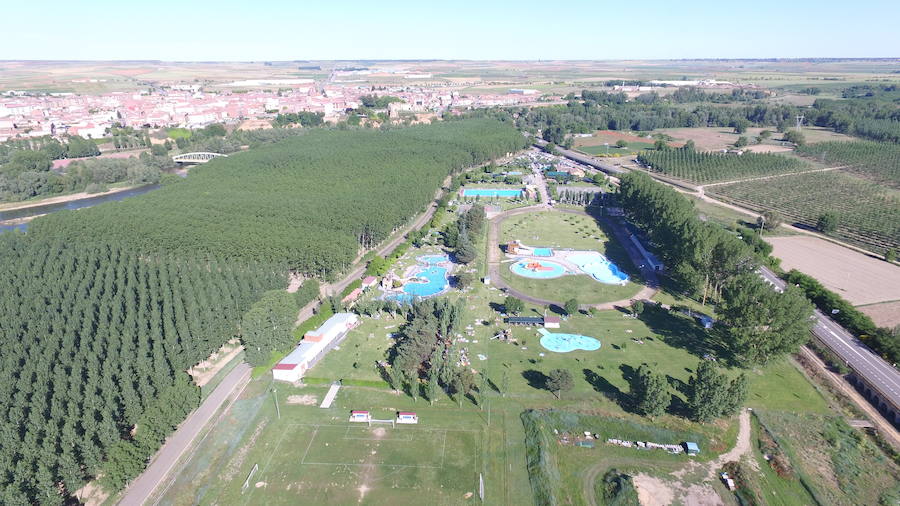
[(865, 363), (141, 488)]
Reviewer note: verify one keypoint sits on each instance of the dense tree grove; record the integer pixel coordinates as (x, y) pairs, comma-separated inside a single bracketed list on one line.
[(424, 349), (80, 176), (705, 167), (877, 161), (96, 340), (310, 202), (759, 323), (268, 325), (699, 255)]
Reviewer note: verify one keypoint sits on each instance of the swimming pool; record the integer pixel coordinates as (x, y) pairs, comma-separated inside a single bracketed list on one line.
[(564, 343), (538, 269), (599, 268), (435, 276), (543, 252), (490, 192)]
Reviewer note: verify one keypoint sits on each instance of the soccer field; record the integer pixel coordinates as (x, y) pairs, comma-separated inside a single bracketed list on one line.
[(348, 463)]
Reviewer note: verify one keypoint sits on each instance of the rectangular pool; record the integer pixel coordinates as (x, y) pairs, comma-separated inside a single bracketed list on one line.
[(491, 192)]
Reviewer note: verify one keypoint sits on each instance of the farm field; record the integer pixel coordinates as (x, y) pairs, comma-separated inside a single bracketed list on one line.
[(702, 167), (719, 138), (869, 214), (884, 314), (567, 231), (875, 161), (856, 277)]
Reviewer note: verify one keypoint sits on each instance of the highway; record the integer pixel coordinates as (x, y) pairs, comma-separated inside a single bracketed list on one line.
[(866, 364), (587, 160)]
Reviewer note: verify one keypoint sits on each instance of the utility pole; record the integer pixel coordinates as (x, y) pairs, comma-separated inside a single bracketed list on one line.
[(275, 396), (800, 118)]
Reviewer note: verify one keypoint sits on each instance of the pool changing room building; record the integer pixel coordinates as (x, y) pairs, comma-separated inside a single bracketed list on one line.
[(314, 346)]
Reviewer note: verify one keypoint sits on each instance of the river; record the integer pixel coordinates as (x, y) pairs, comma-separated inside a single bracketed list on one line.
[(28, 212)]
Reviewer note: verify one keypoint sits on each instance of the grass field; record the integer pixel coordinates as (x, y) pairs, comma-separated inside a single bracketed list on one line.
[(869, 214), (560, 230)]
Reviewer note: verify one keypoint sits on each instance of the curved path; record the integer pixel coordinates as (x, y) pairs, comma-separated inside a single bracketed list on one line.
[(493, 259)]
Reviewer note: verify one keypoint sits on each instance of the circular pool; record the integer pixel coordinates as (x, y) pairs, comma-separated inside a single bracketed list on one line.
[(564, 343), (538, 269)]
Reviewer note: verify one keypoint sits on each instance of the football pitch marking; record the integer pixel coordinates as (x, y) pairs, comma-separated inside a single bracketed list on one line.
[(443, 436)]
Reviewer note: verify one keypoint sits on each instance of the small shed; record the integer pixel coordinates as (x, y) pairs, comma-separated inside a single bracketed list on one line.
[(691, 448), (360, 416), (551, 322), (407, 417)]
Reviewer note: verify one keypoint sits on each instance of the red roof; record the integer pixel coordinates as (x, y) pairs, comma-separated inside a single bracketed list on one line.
[(359, 412), (551, 319), (402, 413), (285, 367)]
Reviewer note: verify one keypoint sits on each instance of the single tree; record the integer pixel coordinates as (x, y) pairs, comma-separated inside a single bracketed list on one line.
[(741, 142), (650, 392), (795, 137), (464, 280), (890, 255), (571, 306), (513, 305), (770, 220), (637, 307), (558, 381), (828, 222), (621, 143)]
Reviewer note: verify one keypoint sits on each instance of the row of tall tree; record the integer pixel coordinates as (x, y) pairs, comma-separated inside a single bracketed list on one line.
[(757, 323)]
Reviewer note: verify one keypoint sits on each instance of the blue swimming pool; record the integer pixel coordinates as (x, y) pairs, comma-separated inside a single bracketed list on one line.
[(564, 343), (491, 192), (598, 267), (543, 252), (538, 269), (435, 278)]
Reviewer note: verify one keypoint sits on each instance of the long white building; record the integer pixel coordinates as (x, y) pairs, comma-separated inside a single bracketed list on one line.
[(314, 346)]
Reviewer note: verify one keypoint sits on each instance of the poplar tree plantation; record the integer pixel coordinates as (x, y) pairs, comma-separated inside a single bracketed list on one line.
[(105, 309)]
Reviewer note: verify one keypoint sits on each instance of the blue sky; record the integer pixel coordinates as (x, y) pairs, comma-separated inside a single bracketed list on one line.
[(461, 29)]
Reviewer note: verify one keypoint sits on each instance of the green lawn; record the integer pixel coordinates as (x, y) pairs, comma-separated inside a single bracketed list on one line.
[(632, 147), (569, 231), (310, 455)]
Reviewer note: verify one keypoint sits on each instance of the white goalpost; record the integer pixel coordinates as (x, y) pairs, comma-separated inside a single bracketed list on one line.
[(249, 476)]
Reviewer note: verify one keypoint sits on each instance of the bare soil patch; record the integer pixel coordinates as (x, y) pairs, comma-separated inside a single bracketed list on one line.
[(206, 370), (856, 277), (886, 314), (768, 148), (303, 400), (654, 491), (611, 136)]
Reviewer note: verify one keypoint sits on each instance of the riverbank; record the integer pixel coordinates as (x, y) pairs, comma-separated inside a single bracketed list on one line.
[(12, 206)]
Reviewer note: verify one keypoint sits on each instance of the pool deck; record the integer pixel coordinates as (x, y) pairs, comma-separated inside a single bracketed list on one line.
[(494, 257), (560, 257)]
